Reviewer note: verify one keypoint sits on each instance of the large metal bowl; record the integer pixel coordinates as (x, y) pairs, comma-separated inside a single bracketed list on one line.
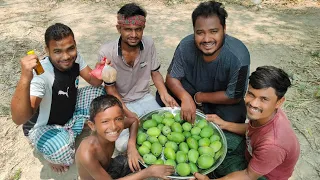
[(199, 116)]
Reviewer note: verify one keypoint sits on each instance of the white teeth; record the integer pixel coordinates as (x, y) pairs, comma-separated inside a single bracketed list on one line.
[(112, 133), (208, 44)]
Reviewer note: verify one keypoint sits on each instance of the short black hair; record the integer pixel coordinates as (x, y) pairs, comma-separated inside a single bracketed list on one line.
[(102, 103), (57, 32), (270, 76), (132, 9), (210, 8)]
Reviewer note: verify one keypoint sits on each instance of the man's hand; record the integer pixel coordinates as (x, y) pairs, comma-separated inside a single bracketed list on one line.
[(198, 176), (168, 100), (161, 171), (216, 119), (188, 109), (133, 158), (28, 63)]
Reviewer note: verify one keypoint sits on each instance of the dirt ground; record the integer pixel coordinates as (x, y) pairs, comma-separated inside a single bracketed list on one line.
[(276, 33)]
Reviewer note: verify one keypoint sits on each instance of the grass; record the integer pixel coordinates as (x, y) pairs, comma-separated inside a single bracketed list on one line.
[(16, 175)]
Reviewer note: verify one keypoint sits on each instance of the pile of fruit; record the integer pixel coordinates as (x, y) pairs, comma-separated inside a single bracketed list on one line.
[(165, 138)]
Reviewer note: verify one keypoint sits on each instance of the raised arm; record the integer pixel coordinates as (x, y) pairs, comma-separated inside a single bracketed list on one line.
[(23, 106)]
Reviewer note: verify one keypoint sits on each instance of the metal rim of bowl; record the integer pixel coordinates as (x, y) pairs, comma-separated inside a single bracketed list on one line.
[(198, 113)]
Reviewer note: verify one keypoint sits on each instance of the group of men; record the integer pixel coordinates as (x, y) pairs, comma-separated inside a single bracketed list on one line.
[(209, 71)]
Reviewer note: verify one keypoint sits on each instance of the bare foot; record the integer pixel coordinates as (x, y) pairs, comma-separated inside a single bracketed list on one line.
[(59, 168)]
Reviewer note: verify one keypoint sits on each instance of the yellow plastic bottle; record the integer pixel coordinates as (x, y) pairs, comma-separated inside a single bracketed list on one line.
[(39, 69)]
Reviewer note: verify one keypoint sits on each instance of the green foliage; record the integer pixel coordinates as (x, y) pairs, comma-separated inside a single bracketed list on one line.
[(17, 175)]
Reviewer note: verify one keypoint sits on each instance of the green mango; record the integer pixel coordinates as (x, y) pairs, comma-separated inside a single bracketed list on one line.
[(196, 137), (170, 162), (192, 143), (149, 123), (195, 130), (168, 115), (215, 137), (184, 147), (206, 132), (216, 146), (177, 118), (176, 137), (202, 123), (168, 121), (147, 144), (159, 161), (153, 139), (186, 134), (173, 145), (204, 142), (193, 155), (158, 118), (181, 157), (169, 153), (160, 126), (143, 150), (205, 161), (166, 130), (153, 131), (193, 168), (162, 139), (218, 154), (141, 138), (187, 126), (183, 169), (149, 158), (156, 149), (176, 127), (206, 150)]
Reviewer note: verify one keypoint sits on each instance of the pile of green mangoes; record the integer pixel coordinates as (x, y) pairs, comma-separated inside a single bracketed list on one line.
[(167, 139)]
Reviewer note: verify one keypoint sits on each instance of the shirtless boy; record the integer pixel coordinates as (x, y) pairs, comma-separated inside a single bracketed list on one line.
[(94, 155)]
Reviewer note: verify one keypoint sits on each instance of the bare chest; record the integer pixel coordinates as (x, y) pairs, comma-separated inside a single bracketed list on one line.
[(130, 57)]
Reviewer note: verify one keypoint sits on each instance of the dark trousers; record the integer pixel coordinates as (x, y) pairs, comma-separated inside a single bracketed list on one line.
[(228, 112), (119, 167)]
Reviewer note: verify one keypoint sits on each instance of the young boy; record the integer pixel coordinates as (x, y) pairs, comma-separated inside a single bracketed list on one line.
[(93, 157)]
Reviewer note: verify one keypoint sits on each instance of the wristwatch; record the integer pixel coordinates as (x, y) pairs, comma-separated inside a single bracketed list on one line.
[(194, 98)]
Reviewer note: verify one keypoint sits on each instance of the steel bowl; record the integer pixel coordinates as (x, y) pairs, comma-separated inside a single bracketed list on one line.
[(199, 116)]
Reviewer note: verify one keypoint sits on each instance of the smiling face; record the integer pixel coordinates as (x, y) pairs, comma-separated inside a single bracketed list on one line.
[(209, 36), (261, 104), (109, 123), (62, 53), (131, 34)]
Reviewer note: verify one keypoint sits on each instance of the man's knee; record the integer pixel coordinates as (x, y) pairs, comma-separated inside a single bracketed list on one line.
[(57, 147)]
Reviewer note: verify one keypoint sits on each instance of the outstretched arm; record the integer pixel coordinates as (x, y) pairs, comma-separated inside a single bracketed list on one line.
[(158, 171), (247, 174), (168, 100), (238, 128), (23, 106)]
